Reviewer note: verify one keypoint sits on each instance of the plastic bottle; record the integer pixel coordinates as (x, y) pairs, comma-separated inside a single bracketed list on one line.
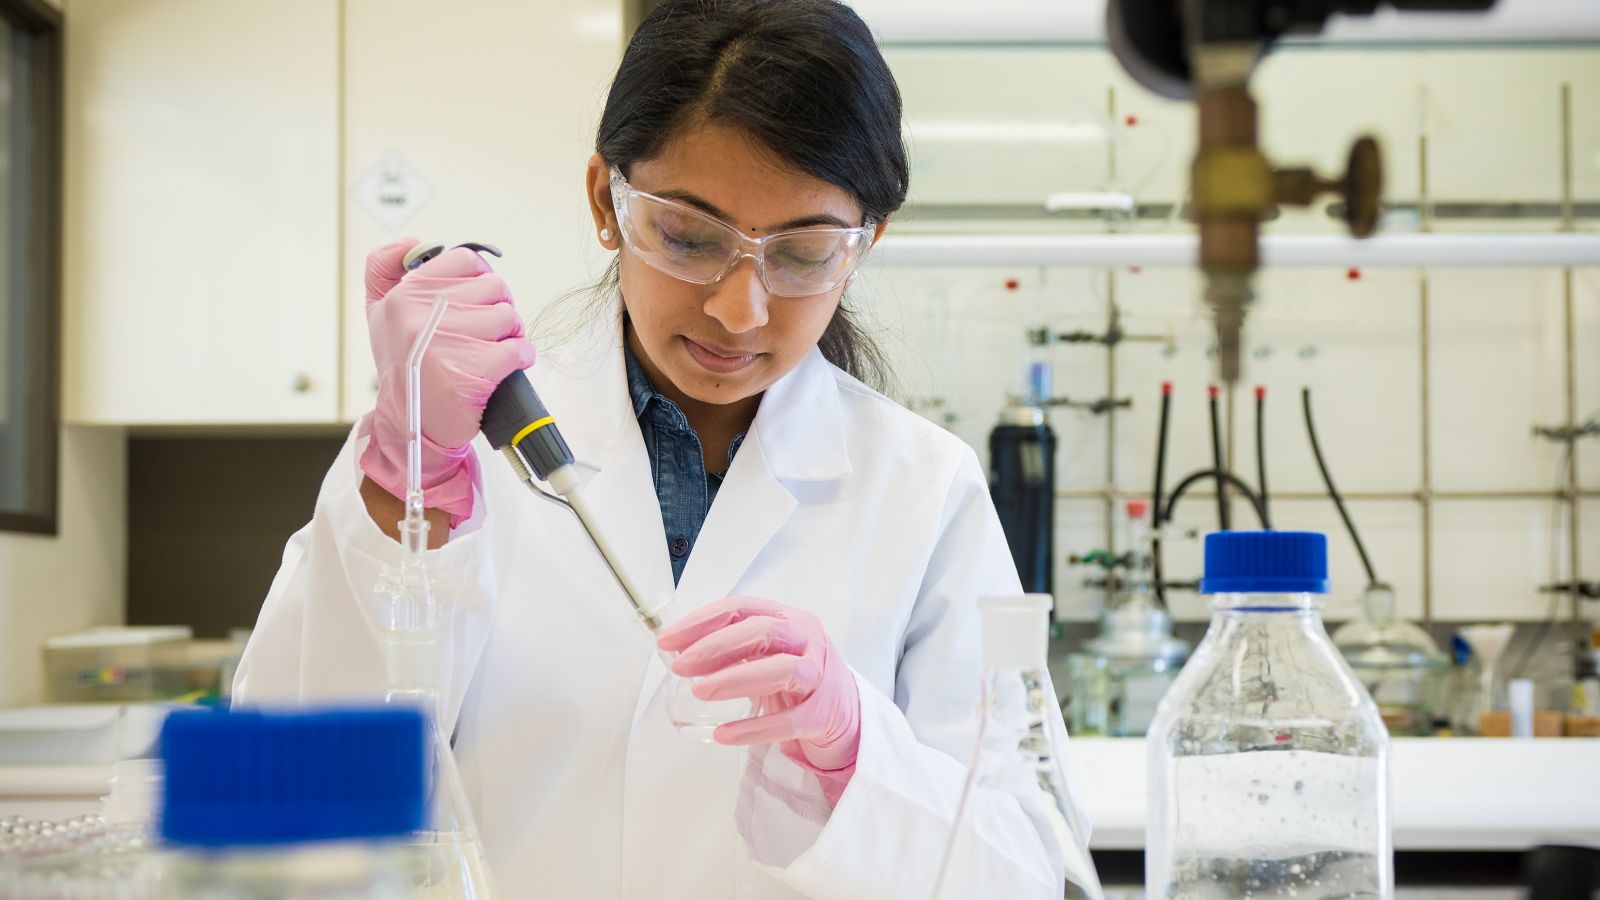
[(1268, 761), (293, 806)]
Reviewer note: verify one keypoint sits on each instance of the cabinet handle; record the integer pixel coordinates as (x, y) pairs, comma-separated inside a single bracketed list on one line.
[(302, 383)]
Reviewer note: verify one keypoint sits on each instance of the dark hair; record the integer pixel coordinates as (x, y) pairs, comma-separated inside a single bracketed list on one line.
[(804, 77)]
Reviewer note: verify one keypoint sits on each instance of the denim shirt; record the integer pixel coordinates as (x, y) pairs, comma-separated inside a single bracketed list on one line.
[(677, 463)]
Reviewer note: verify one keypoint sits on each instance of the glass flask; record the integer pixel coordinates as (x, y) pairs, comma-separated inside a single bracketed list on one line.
[(1268, 761), (694, 718), (445, 857), (1017, 725), (1398, 662), (298, 806)]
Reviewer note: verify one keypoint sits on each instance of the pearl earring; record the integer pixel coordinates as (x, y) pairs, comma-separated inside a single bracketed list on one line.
[(605, 234)]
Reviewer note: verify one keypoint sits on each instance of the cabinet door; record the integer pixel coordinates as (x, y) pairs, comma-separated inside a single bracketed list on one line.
[(485, 112), (202, 192)]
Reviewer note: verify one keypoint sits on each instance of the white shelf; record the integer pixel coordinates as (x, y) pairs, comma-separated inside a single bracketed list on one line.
[(1415, 251), (1447, 794)]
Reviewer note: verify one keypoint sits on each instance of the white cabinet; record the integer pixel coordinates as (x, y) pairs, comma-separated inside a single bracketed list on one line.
[(494, 105), (215, 243), (202, 235)]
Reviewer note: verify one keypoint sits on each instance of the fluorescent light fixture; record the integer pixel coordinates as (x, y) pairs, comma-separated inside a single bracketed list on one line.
[(1089, 201)]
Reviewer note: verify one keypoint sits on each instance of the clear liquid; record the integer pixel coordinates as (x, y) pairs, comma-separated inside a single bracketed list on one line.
[(1331, 875), (445, 866), (1278, 824), (412, 660)]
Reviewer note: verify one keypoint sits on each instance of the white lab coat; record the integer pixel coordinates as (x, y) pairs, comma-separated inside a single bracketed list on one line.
[(839, 502)]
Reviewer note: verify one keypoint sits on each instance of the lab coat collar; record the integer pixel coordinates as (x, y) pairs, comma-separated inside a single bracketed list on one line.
[(800, 424)]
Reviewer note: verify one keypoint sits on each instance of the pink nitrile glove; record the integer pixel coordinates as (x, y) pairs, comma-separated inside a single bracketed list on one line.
[(782, 659), (478, 343)]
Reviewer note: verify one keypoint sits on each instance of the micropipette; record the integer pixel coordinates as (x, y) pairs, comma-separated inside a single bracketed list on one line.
[(517, 424)]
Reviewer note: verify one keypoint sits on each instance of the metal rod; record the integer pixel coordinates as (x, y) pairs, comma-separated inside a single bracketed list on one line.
[(1363, 496), (1425, 492), (1111, 414), (1567, 218), (1424, 346), (1574, 518)]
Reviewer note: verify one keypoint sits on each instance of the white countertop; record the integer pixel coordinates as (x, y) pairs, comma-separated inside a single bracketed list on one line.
[(1447, 794)]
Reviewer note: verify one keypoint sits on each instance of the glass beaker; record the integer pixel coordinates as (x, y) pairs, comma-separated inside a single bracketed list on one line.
[(694, 718), (1268, 760)]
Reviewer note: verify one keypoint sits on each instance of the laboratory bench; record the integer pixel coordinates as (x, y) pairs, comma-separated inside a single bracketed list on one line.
[(1481, 794)]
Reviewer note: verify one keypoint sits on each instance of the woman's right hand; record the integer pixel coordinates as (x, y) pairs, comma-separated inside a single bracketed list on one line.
[(479, 342)]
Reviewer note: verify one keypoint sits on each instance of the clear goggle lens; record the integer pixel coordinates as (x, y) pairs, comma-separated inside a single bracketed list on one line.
[(690, 245)]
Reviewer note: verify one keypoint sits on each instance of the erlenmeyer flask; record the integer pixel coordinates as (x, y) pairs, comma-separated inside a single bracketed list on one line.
[(694, 718)]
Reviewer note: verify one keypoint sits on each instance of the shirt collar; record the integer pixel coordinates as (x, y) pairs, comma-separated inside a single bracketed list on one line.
[(643, 393)]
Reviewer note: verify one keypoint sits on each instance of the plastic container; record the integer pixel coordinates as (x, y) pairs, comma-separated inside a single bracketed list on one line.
[(291, 806), (1268, 760), (120, 664)]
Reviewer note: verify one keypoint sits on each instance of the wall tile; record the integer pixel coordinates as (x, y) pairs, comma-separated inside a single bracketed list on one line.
[(1497, 351), (1489, 558), (1493, 111), (1354, 342), (1392, 533)]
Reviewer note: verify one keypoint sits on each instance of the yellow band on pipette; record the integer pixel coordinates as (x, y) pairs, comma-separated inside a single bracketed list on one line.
[(532, 427)]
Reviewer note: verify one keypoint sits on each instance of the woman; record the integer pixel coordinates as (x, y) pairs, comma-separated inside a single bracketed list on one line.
[(827, 547)]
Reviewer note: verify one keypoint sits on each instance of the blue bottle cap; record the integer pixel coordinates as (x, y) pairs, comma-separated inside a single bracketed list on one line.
[(254, 778), (1266, 562)]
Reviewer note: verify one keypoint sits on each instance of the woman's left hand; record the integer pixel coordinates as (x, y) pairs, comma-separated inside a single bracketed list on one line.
[(781, 658)]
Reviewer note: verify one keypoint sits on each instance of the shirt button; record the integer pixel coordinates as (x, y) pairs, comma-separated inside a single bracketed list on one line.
[(679, 546)]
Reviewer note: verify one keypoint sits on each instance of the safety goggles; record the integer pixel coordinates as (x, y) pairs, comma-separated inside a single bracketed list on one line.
[(690, 245)]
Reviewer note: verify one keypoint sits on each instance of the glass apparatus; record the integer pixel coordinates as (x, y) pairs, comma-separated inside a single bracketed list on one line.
[(1017, 712), (445, 857), (1398, 662), (1268, 761), (1120, 676)]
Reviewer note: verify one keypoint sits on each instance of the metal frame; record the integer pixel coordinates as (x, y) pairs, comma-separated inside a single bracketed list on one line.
[(1426, 496), (41, 244)]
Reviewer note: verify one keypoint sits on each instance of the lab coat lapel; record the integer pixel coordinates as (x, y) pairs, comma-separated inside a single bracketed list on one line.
[(798, 435), (595, 413)]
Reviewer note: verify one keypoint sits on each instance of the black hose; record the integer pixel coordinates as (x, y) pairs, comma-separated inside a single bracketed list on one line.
[(1261, 447), (1224, 520), (1221, 476), (1155, 505), (1338, 501)]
